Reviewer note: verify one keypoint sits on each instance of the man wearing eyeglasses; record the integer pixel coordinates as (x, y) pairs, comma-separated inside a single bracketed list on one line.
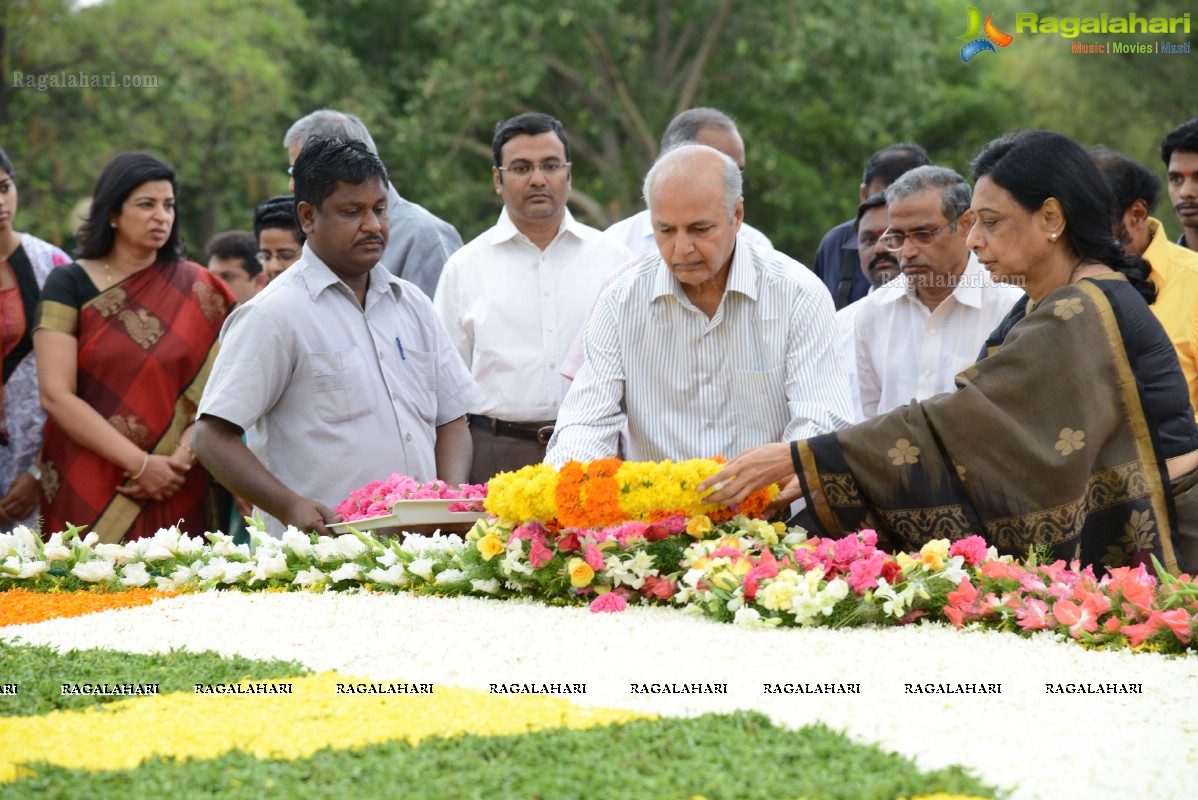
[(515, 297), (915, 333)]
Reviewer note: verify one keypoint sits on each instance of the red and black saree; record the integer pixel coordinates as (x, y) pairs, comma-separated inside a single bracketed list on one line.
[(146, 347)]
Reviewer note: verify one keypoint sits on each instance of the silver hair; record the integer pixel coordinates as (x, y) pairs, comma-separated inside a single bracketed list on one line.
[(732, 179), (325, 123), (685, 127), (954, 191)]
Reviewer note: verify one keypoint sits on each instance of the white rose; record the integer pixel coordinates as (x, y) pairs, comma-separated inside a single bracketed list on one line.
[(298, 543), (395, 575), (450, 576), (348, 546), (270, 565), (308, 577), (422, 567), (54, 550), (94, 571), (346, 572), (135, 575), (490, 586)]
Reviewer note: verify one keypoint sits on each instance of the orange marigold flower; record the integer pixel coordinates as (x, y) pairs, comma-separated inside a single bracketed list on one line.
[(22, 607)]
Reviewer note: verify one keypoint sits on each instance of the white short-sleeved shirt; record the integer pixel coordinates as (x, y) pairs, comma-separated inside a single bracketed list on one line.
[(767, 367), (337, 395), (906, 352)]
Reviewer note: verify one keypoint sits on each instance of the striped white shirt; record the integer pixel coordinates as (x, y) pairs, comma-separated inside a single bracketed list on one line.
[(765, 368), (906, 352)]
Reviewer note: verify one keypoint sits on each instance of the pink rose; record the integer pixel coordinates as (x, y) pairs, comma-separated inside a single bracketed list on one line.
[(610, 603)]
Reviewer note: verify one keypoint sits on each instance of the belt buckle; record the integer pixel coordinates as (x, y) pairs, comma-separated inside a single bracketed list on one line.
[(544, 434), (494, 426)]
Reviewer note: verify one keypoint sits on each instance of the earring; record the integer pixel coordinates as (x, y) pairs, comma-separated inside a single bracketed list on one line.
[(113, 224), (1052, 237)]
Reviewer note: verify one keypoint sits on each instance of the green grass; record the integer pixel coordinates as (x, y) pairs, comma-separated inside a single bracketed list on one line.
[(741, 756), (41, 671)]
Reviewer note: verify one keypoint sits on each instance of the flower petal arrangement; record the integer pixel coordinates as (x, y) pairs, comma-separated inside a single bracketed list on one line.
[(378, 498)]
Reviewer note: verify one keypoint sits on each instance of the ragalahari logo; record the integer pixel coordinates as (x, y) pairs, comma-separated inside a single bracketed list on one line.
[(976, 44)]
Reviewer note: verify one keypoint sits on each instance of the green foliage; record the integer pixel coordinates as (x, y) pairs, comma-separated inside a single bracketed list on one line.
[(41, 671), (815, 87), (214, 105), (742, 756)]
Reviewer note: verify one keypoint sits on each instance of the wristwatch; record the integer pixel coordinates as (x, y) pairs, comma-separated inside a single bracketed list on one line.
[(35, 471)]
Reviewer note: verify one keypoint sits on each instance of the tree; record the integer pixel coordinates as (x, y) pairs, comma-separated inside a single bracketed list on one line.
[(214, 106)]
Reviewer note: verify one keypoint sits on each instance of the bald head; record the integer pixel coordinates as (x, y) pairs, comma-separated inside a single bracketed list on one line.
[(694, 169)]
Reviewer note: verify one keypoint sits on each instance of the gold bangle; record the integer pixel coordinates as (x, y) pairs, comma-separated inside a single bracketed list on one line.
[(142, 471)]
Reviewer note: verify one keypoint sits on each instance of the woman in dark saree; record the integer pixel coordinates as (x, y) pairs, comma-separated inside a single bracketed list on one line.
[(1074, 430), (124, 341)]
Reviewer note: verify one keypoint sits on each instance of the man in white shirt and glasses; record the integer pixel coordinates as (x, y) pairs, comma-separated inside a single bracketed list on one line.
[(515, 297), (915, 333)]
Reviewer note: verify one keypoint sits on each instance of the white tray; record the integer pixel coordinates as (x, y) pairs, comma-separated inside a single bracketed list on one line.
[(413, 512)]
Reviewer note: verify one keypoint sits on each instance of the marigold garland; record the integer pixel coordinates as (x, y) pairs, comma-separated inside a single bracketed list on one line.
[(609, 491), (21, 607)]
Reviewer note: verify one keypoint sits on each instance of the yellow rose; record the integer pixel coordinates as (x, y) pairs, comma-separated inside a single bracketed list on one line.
[(934, 553), (730, 542), (580, 573), (904, 560), (490, 546), (724, 580), (699, 526)]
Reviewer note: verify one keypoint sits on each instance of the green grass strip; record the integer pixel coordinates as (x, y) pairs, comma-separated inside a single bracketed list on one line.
[(41, 672), (741, 756)]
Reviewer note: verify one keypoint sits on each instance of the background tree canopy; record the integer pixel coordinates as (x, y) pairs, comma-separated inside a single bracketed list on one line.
[(815, 87)]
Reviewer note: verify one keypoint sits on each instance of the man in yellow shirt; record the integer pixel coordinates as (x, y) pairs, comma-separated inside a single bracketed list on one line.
[(1174, 268)]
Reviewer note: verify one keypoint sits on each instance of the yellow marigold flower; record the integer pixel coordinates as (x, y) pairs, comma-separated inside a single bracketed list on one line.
[(580, 573), (699, 526), (934, 553), (490, 546)]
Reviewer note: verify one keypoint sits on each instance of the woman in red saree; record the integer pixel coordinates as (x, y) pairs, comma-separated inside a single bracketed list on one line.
[(124, 341)]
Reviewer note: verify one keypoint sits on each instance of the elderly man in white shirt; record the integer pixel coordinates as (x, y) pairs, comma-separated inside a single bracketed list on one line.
[(708, 126), (915, 333), (514, 298), (709, 346)]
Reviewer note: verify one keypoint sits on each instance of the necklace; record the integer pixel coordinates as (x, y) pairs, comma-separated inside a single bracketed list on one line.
[(108, 273)]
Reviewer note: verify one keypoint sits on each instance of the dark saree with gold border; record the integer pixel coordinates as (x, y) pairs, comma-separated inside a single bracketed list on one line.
[(1044, 443), (146, 347)]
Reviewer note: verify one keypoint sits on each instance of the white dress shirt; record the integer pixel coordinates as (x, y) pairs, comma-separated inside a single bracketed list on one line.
[(846, 331), (906, 352), (765, 368), (334, 395), (512, 310), (636, 233)]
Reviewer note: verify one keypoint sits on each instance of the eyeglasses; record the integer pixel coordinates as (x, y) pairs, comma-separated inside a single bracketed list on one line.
[(522, 169), (894, 240), (282, 256)]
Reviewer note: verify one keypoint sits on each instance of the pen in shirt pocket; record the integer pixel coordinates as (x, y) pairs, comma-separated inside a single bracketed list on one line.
[(401, 352)]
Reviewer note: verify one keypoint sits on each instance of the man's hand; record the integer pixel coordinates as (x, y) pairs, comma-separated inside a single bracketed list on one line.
[(788, 491), (309, 515)]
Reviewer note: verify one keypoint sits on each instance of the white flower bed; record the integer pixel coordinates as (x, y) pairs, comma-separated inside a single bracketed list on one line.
[(1041, 745)]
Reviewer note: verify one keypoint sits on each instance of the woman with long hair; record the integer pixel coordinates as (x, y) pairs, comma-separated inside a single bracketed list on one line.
[(124, 341)]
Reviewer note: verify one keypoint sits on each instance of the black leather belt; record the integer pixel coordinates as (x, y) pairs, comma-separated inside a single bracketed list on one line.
[(539, 432)]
